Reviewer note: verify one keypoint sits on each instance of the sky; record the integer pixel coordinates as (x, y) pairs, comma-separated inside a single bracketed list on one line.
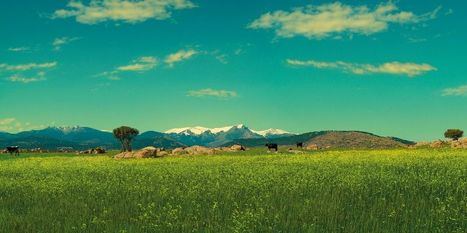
[(394, 68)]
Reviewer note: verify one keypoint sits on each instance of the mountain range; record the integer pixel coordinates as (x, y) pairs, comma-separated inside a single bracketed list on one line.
[(81, 138)]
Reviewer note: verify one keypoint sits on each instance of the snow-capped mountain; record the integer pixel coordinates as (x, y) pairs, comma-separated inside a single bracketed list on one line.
[(199, 135), (198, 130), (269, 133), (85, 137)]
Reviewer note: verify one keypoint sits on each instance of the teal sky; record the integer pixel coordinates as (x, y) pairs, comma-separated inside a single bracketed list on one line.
[(392, 68)]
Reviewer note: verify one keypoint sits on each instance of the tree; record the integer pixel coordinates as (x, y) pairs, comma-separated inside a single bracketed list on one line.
[(454, 134), (125, 135)]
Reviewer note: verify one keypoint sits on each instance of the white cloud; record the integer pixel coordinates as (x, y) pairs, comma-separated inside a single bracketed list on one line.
[(146, 63), (20, 78), (179, 56), (213, 93), (334, 19), (394, 68), (28, 66), (98, 11), (19, 49), (455, 91), (34, 71), (139, 65), (59, 42)]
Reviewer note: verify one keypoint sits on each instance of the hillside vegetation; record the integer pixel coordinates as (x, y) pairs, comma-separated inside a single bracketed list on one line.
[(420, 190), (332, 139)]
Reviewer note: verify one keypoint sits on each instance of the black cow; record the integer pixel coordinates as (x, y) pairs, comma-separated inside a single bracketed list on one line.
[(299, 144), (272, 146), (13, 150)]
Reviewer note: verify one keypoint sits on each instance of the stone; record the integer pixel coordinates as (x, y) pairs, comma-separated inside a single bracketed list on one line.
[(237, 148), (178, 151), (147, 152), (312, 147), (199, 150)]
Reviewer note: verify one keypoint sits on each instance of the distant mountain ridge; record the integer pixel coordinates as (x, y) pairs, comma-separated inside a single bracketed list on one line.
[(81, 138), (217, 136), (86, 137), (198, 130)]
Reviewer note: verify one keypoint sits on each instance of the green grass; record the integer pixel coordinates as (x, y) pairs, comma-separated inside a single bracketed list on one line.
[(331, 191)]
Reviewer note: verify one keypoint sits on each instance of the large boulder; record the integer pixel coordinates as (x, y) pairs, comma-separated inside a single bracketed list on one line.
[(147, 152), (178, 151), (193, 150), (237, 148), (312, 147), (421, 144), (162, 153), (199, 150), (438, 144), (124, 155), (459, 144)]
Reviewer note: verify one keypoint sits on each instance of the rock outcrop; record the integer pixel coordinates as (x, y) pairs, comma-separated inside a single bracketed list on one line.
[(147, 152), (237, 147), (199, 150), (312, 147), (457, 144)]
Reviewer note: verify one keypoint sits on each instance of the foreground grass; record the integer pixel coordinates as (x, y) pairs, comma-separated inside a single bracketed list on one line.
[(333, 191)]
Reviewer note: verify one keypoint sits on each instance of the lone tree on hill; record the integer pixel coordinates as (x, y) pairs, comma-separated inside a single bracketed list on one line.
[(125, 135), (454, 134)]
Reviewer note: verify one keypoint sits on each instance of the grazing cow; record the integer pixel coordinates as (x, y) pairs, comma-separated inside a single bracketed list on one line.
[(272, 146), (13, 150), (299, 144)]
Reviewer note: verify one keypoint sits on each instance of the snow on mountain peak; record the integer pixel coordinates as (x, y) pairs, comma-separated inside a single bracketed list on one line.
[(197, 130), (66, 129), (271, 132), (188, 130)]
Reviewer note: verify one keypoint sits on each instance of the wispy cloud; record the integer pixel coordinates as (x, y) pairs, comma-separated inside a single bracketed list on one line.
[(221, 57), (179, 56), (224, 94), (14, 125), (27, 73), (59, 42), (98, 11), (19, 49), (394, 68), (139, 65), (335, 19), (28, 66), (40, 76), (455, 91)]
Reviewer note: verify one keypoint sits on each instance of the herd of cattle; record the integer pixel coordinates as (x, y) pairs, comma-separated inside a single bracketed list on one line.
[(15, 150)]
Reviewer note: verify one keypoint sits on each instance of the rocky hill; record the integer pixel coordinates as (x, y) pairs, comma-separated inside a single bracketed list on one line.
[(331, 139)]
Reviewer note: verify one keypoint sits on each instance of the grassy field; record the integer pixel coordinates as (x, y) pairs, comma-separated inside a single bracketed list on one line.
[(331, 191)]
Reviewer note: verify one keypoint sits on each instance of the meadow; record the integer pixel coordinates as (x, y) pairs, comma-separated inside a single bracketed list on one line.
[(406, 190)]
